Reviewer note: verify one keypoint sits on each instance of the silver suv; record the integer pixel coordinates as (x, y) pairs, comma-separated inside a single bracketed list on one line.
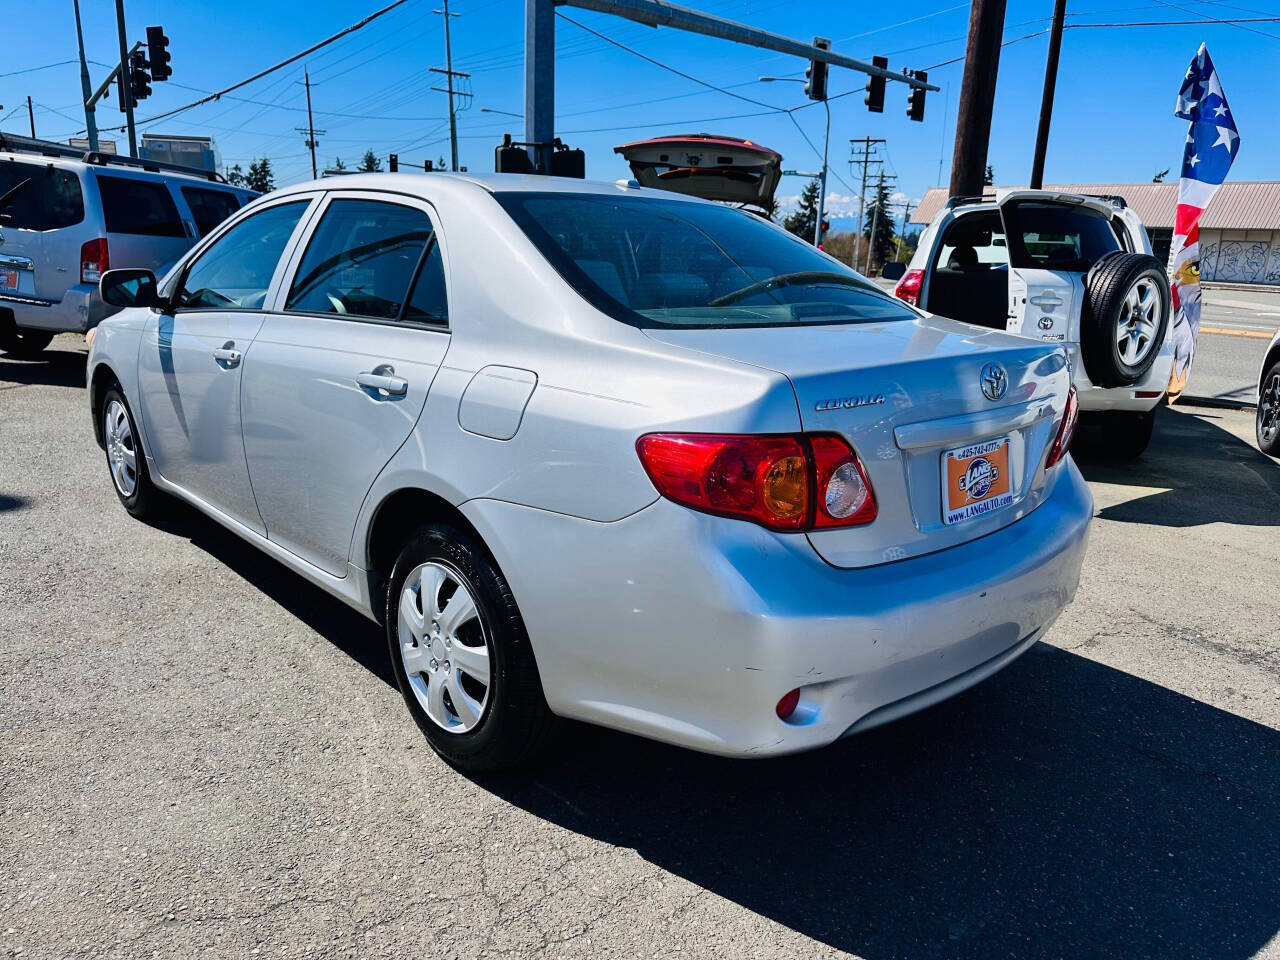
[(66, 215), (1060, 268)]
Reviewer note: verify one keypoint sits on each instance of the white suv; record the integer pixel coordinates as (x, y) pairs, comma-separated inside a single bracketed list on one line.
[(67, 215), (1064, 268)]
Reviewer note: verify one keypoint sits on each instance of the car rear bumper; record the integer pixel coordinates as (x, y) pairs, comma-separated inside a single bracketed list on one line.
[(689, 628), (80, 309), (1144, 395)]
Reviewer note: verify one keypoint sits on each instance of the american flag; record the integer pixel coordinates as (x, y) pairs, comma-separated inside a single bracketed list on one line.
[(1212, 145)]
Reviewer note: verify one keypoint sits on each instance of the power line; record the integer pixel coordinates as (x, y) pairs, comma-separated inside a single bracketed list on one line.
[(45, 66)]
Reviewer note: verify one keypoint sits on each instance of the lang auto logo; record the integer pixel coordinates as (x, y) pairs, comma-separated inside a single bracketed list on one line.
[(994, 380)]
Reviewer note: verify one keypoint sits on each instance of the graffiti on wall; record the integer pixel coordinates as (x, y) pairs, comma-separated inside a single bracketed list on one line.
[(1241, 261)]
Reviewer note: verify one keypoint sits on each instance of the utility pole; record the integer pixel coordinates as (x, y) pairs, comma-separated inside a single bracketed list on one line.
[(875, 217), (902, 232), (866, 157), (31, 116), (86, 87), (311, 127), (449, 74), (125, 82), (1046, 99), (977, 97)]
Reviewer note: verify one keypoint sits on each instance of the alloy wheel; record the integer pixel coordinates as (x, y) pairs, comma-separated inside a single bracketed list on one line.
[(122, 449), (444, 646), (1269, 411), (1139, 321)]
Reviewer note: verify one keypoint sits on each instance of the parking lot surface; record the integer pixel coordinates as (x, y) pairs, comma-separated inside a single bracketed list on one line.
[(202, 755)]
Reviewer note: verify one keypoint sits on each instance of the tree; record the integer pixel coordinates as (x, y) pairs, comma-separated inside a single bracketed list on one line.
[(802, 221), (989, 178), (370, 163), (880, 215), (338, 164), (260, 177), (235, 176)]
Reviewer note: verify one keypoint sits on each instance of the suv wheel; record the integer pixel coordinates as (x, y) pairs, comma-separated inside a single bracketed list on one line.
[(21, 343), (1125, 317), (1115, 435), (1269, 412), (461, 654)]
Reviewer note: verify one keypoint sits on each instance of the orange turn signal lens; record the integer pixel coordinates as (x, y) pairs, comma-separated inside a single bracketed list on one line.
[(785, 490)]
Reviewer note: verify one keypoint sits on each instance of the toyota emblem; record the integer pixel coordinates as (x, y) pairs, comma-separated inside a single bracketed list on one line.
[(994, 381)]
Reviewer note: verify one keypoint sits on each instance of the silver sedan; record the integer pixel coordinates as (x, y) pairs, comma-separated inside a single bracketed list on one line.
[(599, 452)]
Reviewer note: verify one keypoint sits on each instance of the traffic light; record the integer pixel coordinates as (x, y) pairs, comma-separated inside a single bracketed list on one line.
[(915, 99), (139, 79), (875, 87), (568, 163), (815, 75), (393, 163), (428, 166), (158, 54)]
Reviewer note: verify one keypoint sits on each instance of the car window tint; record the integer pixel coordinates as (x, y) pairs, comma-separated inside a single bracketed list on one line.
[(235, 271), (360, 260), (428, 303), (974, 242), (143, 207), (209, 207), (651, 261), (1058, 236), (51, 199)]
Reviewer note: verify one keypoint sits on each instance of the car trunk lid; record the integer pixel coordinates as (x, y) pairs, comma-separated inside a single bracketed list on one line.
[(904, 394)]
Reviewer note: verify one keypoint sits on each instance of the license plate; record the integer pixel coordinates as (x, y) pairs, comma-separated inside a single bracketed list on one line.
[(8, 279), (975, 480)]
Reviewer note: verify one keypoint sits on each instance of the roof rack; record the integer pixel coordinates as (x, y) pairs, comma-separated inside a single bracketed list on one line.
[(953, 202), (47, 148), (1112, 198)]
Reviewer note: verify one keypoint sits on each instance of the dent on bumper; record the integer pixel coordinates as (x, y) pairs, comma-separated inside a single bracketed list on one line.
[(688, 628)]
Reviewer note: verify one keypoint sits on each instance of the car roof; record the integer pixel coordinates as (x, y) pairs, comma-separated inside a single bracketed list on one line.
[(194, 177)]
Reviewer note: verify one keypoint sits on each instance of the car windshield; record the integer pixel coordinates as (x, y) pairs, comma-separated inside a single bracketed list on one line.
[(654, 262)]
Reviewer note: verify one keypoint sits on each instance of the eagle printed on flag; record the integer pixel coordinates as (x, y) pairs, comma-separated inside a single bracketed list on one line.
[(1212, 145)]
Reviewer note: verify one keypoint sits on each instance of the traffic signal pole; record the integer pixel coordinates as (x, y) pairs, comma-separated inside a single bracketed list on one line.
[(977, 97), (86, 87), (125, 84)]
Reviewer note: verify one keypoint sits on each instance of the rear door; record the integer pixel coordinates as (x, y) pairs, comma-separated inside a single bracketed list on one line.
[(208, 206), (1053, 241), (40, 252), (144, 226), (341, 368)]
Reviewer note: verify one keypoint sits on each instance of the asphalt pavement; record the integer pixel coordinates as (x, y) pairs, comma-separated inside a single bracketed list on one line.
[(203, 755), (1235, 328)]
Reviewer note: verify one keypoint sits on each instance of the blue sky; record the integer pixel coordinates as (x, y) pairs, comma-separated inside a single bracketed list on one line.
[(1113, 117)]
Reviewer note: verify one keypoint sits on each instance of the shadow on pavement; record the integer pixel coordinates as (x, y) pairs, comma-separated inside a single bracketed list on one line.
[(8, 503), (53, 368), (1205, 474)]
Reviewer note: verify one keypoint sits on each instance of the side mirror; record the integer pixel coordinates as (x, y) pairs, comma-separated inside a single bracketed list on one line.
[(129, 287)]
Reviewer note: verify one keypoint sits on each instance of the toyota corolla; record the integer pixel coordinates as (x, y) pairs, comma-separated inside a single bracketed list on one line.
[(599, 452)]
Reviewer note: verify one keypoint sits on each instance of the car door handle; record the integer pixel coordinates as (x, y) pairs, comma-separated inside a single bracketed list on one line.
[(383, 382), (227, 356)]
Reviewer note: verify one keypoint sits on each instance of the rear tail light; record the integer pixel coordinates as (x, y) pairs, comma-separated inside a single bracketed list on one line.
[(94, 261), (790, 483), (908, 288), (1066, 429)]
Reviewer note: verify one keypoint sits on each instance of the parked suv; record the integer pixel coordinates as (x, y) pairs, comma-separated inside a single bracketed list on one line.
[(65, 215), (1062, 268)]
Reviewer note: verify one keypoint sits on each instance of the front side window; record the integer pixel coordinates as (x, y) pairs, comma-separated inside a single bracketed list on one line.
[(235, 271), (209, 207), (361, 260), (142, 207), (1057, 236), (50, 198), (671, 263)]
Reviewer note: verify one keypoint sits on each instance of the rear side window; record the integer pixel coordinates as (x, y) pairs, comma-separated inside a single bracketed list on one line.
[(361, 260), (427, 303), (1056, 236), (235, 272), (51, 199), (142, 207), (974, 242), (209, 207)]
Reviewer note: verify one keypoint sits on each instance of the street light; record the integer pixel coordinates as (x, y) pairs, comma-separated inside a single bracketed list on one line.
[(505, 113), (822, 179)]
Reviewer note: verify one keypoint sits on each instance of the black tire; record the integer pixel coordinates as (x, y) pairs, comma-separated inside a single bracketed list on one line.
[(1115, 435), (515, 725), (23, 343), (1107, 285), (144, 499), (1268, 421)]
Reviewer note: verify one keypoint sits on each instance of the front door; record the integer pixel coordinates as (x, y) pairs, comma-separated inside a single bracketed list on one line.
[(192, 358), (341, 369)]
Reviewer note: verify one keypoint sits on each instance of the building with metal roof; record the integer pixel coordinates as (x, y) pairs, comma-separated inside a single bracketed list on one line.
[(1239, 231)]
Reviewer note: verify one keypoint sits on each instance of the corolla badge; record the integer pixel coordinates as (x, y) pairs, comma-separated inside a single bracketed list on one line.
[(994, 380), (849, 403)]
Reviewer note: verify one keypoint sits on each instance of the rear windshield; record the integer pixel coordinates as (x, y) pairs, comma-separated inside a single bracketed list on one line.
[(139, 206), (1055, 236), (209, 207), (50, 200), (653, 262)]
